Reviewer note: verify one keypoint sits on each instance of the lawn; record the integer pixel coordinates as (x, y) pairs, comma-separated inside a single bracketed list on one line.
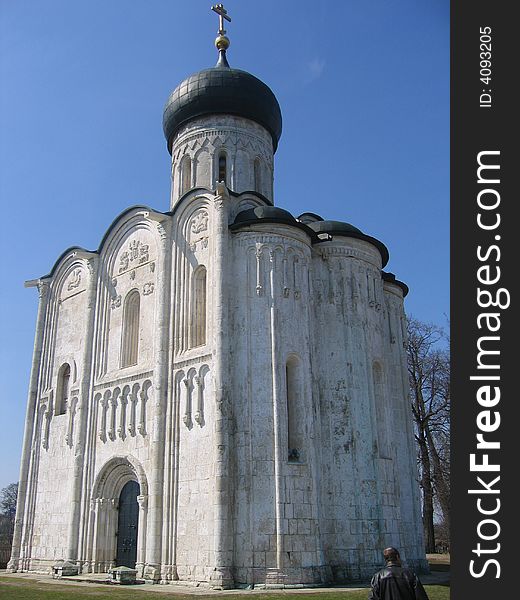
[(13, 588)]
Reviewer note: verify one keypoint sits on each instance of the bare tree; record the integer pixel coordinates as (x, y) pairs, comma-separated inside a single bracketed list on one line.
[(429, 376), (8, 497)]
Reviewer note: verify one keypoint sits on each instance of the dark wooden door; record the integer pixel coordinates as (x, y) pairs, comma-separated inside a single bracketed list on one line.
[(127, 526)]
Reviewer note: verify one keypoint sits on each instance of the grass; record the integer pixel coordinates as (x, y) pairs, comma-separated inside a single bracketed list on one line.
[(14, 588)]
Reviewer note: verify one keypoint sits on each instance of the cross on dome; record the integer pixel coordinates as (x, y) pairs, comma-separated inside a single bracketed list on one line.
[(222, 13)]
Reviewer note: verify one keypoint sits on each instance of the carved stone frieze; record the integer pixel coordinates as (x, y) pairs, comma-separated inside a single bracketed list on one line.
[(136, 254), (199, 222), (115, 302), (75, 280)]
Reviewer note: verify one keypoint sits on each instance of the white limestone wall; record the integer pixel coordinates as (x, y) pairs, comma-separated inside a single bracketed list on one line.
[(406, 476), (128, 263), (191, 452), (47, 513), (126, 429), (276, 502), (202, 439), (247, 147), (351, 522)]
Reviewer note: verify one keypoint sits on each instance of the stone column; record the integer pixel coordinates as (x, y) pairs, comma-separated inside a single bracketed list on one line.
[(223, 537), (152, 568), (141, 535), (97, 542), (199, 413), (43, 289), (186, 419), (133, 402), (143, 399), (278, 451), (83, 411), (122, 414)]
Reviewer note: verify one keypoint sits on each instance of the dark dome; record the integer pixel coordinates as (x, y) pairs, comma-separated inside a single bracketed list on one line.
[(222, 90), (346, 229), (390, 277), (337, 227), (268, 214)]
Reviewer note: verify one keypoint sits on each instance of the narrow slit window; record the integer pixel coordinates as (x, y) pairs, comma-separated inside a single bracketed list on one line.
[(130, 333), (63, 391), (185, 174), (198, 320), (294, 410), (381, 411), (258, 175), (222, 167)]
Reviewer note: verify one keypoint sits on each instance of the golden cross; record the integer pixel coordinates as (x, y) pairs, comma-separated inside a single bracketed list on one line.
[(222, 14)]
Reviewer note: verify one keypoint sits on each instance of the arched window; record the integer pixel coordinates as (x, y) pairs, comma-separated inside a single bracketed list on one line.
[(198, 315), (258, 175), (185, 175), (130, 332), (381, 412), (222, 167), (295, 433), (62, 390)]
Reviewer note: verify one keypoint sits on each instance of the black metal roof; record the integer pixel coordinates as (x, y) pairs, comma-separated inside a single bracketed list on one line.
[(222, 90), (346, 229)]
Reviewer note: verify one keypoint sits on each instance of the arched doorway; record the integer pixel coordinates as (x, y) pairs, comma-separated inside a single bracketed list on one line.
[(118, 517), (127, 525)]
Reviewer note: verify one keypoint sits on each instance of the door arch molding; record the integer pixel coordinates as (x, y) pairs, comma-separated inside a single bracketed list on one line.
[(111, 479)]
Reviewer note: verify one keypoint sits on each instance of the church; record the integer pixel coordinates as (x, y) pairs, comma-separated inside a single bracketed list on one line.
[(219, 392)]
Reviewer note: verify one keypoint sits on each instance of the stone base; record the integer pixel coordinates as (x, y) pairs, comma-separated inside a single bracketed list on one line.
[(64, 569), (221, 579), (12, 566), (122, 576), (152, 573)]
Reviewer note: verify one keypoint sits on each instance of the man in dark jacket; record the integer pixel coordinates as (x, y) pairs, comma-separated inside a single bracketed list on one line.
[(395, 582)]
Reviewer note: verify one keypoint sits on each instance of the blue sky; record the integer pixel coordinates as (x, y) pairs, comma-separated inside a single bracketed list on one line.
[(364, 92)]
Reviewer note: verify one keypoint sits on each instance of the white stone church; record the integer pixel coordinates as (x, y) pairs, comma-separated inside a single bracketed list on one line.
[(219, 392)]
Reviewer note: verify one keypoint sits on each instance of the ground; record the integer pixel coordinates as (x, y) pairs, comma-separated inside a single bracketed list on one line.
[(41, 587)]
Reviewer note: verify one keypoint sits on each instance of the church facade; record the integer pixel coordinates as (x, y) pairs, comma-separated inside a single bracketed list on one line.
[(219, 392)]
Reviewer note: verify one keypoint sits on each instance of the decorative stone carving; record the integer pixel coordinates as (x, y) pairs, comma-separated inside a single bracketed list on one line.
[(75, 280), (186, 419), (199, 414), (115, 302), (199, 222), (43, 289), (259, 288), (71, 410), (103, 405), (137, 252), (46, 414), (118, 411), (124, 261), (148, 288)]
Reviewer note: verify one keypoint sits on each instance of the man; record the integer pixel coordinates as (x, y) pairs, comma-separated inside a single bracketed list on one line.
[(395, 582)]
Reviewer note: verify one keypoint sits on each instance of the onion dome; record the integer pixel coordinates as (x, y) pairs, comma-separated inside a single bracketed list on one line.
[(222, 90), (335, 228)]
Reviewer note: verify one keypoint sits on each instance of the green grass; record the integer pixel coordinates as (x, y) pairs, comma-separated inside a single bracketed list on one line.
[(14, 588)]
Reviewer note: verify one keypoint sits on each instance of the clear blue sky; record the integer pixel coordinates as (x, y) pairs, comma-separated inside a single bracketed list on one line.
[(364, 91)]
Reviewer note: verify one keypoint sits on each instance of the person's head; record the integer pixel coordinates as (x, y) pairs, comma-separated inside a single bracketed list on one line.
[(392, 555)]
